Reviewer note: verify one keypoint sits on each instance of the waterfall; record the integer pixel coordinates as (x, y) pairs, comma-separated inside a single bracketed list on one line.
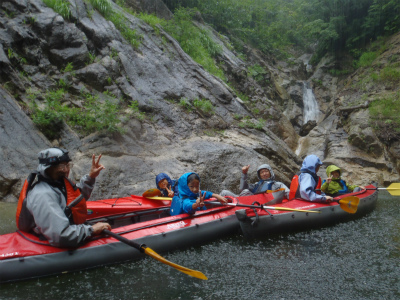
[(311, 110)]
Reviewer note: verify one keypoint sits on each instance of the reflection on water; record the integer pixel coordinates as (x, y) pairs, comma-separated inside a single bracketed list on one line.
[(354, 260), (7, 217)]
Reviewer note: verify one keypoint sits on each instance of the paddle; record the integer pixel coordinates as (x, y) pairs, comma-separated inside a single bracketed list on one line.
[(154, 194), (160, 198), (263, 206), (349, 204), (144, 249), (393, 189), (151, 193)]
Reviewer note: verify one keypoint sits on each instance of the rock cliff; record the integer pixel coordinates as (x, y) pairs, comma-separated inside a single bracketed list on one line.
[(172, 134)]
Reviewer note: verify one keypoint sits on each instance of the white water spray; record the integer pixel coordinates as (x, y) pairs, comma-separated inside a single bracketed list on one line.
[(311, 110)]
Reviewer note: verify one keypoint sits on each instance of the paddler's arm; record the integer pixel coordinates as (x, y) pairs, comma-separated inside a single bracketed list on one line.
[(307, 192)]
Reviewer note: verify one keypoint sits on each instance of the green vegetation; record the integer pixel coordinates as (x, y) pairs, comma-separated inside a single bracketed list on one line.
[(185, 104), (134, 106), (247, 122), (390, 74), (195, 41), (103, 6), (50, 118), (93, 115), (92, 57), (257, 72), (119, 20), (152, 20), (68, 68), (277, 26), (204, 106), (366, 59), (384, 114), (60, 6), (13, 55)]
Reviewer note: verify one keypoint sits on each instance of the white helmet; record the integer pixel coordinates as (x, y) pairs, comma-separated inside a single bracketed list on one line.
[(51, 157)]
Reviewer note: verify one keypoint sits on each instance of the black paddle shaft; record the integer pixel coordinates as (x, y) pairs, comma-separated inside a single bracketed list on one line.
[(237, 204), (125, 240)]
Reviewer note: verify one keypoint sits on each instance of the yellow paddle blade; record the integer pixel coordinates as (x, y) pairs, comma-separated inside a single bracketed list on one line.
[(273, 191), (160, 198), (151, 193), (349, 204), (291, 209), (187, 271), (394, 189)]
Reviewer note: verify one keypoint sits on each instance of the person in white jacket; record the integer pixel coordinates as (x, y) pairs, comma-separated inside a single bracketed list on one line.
[(47, 201)]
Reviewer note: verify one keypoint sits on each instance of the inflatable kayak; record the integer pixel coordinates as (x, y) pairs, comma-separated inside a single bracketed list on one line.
[(260, 222), (24, 255)]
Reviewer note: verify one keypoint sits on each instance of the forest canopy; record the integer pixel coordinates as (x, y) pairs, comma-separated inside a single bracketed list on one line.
[(274, 26)]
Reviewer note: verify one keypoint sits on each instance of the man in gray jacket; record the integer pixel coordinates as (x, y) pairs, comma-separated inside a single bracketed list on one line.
[(47, 201)]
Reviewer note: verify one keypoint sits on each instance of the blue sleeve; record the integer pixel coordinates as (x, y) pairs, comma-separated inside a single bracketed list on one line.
[(187, 203), (307, 192), (208, 194), (187, 206)]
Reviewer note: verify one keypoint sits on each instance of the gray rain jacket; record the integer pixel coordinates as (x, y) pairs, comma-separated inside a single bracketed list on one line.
[(46, 203)]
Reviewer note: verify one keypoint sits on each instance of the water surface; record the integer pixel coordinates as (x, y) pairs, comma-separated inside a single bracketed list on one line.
[(354, 260)]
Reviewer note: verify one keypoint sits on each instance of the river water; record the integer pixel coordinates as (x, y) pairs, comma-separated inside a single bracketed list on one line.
[(354, 260)]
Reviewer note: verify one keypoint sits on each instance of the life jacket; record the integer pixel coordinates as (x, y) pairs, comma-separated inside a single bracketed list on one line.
[(262, 186), (295, 187), (75, 210), (76, 203)]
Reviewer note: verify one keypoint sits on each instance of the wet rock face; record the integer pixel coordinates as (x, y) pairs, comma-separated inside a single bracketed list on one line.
[(306, 128), (157, 75), (20, 143)]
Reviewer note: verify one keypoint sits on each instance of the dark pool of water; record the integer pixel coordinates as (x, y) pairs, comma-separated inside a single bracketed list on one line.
[(355, 260)]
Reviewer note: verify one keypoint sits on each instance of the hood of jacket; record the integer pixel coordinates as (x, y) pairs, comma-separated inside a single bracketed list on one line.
[(266, 166), (332, 168), (184, 191), (162, 176), (310, 163)]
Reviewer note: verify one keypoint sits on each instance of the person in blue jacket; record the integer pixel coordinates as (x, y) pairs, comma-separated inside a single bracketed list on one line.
[(308, 180), (191, 198), (167, 186)]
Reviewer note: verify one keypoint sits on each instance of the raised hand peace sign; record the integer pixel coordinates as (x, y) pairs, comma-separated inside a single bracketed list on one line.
[(170, 192), (96, 167)]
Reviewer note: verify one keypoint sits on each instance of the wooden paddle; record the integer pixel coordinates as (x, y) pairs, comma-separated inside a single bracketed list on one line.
[(144, 249), (265, 207), (349, 204)]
